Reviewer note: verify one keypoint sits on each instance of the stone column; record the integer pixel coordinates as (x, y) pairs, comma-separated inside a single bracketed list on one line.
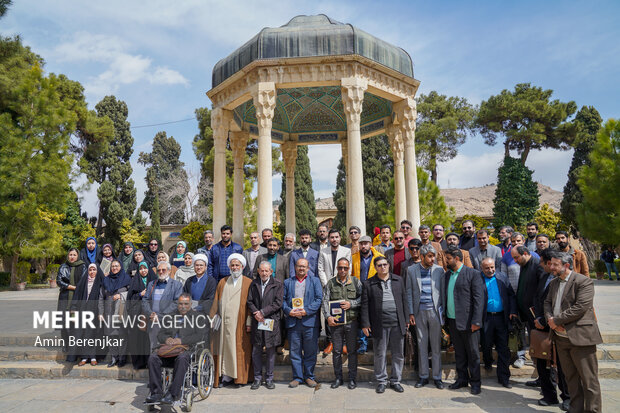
[(406, 111), (395, 137), (289, 153), (264, 96), (353, 89), (238, 143), (220, 124), (345, 161)]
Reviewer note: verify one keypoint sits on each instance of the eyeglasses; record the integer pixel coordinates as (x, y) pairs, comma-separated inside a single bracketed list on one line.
[(414, 248), (385, 264), (467, 227), (342, 268), (153, 244), (353, 232), (399, 237), (405, 227)]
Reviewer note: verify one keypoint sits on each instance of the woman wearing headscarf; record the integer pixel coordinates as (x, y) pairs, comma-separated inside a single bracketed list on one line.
[(139, 343), (106, 258), (114, 298), (68, 277), (126, 256), (187, 269), (87, 298), (163, 257), (91, 252), (177, 258), (150, 254), (138, 257)]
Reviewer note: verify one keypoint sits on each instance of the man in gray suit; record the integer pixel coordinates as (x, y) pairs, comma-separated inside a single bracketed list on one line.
[(425, 298), (279, 263), (570, 314), (251, 254), (484, 250)]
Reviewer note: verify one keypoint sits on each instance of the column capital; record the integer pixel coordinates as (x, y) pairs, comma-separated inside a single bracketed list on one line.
[(395, 137), (264, 97), (353, 89), (407, 113), (289, 154)]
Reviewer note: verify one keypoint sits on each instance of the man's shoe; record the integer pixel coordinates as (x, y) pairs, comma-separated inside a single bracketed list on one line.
[(270, 384), (543, 402), (519, 363), (475, 390), (113, 362), (506, 384), (380, 388), (328, 349), (421, 383), (352, 384), (293, 384), (533, 383), (336, 383), (167, 399), (439, 384), (565, 405), (457, 385), (397, 387), (153, 398), (255, 385), (311, 383)]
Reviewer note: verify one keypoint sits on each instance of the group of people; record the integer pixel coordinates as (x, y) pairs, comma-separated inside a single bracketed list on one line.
[(382, 288)]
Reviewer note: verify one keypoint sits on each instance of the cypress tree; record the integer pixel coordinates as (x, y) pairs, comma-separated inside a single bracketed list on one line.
[(155, 231), (305, 207), (516, 196)]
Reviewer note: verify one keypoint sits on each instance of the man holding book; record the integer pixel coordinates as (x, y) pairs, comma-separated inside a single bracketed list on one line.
[(341, 304)]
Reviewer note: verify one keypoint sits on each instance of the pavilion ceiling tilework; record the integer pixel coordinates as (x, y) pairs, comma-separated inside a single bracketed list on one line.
[(314, 110)]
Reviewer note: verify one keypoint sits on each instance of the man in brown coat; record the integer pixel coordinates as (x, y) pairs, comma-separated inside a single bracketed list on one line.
[(580, 261), (570, 314), (232, 345)]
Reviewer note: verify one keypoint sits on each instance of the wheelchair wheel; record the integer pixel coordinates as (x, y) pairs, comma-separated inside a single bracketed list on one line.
[(189, 400), (205, 373)]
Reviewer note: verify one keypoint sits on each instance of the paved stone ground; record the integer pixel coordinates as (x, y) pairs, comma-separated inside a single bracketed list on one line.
[(82, 395)]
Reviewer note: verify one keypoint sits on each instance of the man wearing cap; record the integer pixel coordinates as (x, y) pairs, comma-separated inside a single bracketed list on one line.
[(232, 345)]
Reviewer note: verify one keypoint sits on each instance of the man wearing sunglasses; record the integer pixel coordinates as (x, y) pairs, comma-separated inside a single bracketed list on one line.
[(468, 240), (406, 227), (399, 254), (354, 235)]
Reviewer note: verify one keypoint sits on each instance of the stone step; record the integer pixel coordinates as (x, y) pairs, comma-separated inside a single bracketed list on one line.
[(282, 373), (608, 352)]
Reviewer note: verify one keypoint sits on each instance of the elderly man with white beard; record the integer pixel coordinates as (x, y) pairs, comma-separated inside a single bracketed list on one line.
[(232, 345)]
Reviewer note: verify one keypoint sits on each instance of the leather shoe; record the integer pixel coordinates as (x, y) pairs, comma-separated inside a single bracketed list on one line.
[(533, 383), (475, 390), (543, 402), (167, 399), (421, 383), (352, 384), (255, 385), (311, 383), (380, 388), (270, 385), (153, 398), (565, 405), (457, 385), (397, 387), (328, 349), (336, 383), (113, 362), (506, 384), (293, 384), (439, 384)]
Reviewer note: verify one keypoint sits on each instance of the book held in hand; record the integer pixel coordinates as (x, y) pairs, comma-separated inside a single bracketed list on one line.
[(266, 324), (298, 302), (340, 316)]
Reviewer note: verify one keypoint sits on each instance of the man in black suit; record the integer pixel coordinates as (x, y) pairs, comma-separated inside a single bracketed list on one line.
[(321, 238), (464, 305), (279, 263), (182, 328), (384, 308), (500, 306)]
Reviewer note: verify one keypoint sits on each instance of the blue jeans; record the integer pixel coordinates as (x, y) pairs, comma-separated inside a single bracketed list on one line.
[(304, 345), (612, 266)]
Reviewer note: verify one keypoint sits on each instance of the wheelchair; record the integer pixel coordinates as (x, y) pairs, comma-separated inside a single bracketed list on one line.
[(198, 378)]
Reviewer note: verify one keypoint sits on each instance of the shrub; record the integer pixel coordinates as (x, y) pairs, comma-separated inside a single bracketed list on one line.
[(599, 266), (5, 279), (23, 271)]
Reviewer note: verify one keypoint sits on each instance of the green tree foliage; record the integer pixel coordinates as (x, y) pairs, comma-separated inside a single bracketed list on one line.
[(192, 234), (516, 195), (205, 153), (155, 230), (442, 126), (305, 207), (75, 227), (528, 119), (588, 122), (163, 164), (129, 233), (598, 216), (4, 6), (35, 129), (549, 221), (117, 194), (479, 222), (340, 199)]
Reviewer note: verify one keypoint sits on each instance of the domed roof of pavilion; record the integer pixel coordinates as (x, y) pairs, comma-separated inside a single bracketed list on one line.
[(312, 36)]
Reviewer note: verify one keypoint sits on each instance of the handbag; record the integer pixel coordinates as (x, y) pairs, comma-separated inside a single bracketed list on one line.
[(540, 345), (171, 350)]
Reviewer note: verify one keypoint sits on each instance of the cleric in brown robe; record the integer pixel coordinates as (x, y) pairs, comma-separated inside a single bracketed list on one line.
[(232, 345)]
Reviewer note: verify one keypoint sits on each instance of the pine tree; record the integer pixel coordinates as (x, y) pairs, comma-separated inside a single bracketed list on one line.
[(155, 232), (305, 207), (516, 195), (117, 193), (340, 199), (588, 122)]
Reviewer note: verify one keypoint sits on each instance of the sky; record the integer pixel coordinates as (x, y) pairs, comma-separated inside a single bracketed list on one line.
[(157, 56)]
